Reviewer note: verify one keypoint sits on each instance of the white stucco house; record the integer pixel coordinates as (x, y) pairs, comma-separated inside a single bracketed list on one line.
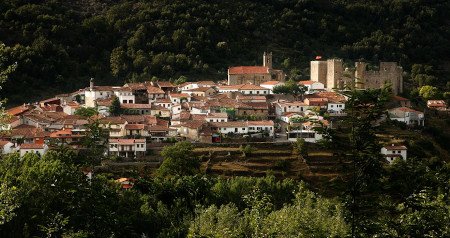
[(125, 95), (7, 147), (311, 136), (128, 148), (407, 115), (271, 85), (312, 86), (39, 149), (217, 117), (393, 152)]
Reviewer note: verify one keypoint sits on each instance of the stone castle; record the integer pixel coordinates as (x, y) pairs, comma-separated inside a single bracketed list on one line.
[(255, 74), (333, 75)]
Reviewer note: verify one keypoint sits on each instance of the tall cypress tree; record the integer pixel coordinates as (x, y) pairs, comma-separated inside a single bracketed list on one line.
[(115, 108), (364, 111)]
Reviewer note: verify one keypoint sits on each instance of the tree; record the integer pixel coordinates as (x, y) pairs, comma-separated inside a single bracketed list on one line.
[(301, 148), (115, 108), (182, 79), (179, 160), (246, 150), (428, 92), (290, 87), (86, 112), (308, 216), (364, 109), (5, 70)]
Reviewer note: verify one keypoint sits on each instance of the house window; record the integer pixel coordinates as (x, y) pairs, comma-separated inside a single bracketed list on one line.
[(257, 92), (124, 101), (399, 151), (235, 130)]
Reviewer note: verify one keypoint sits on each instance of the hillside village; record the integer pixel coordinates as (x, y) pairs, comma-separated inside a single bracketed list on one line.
[(243, 108)]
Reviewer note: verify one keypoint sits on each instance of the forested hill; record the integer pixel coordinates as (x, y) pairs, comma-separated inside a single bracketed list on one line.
[(60, 44)]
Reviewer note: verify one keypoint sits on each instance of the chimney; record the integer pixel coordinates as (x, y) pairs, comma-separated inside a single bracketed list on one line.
[(91, 84)]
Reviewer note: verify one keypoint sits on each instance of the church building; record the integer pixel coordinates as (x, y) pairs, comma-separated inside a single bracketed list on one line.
[(255, 74)]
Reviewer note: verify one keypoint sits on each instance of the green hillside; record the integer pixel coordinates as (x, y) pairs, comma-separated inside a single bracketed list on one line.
[(60, 44)]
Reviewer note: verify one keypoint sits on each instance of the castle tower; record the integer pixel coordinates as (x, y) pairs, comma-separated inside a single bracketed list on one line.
[(335, 70), (360, 78), (91, 84), (267, 60), (318, 72)]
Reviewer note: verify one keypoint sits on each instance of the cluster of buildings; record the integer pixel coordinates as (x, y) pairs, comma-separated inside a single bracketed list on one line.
[(205, 111)]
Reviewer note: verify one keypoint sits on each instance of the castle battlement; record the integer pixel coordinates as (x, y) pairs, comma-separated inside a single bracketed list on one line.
[(331, 74)]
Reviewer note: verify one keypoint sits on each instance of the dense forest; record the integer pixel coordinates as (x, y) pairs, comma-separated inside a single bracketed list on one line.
[(58, 45)]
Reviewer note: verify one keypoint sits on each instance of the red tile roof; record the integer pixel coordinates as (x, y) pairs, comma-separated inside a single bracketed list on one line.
[(396, 147), (248, 70), (260, 123), (16, 111), (154, 90), (307, 82), (134, 127), (179, 95), (163, 84), (4, 142), (31, 146), (271, 83), (135, 106)]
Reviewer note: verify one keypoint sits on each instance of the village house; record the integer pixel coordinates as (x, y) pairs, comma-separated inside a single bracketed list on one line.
[(6, 147), (179, 97), (68, 136), (163, 102), (309, 135), (407, 115), (195, 131), (155, 93), (125, 95), (159, 111), (316, 102), (159, 133), (38, 149), (114, 125), (400, 101), (271, 85), (128, 148), (437, 105), (336, 102), (255, 109), (71, 107), (19, 110), (312, 86), (289, 117), (194, 85), (201, 91), (103, 105), (261, 127), (141, 109), (217, 117), (283, 107), (250, 98), (245, 89), (167, 87), (94, 93), (393, 152), (133, 130)]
